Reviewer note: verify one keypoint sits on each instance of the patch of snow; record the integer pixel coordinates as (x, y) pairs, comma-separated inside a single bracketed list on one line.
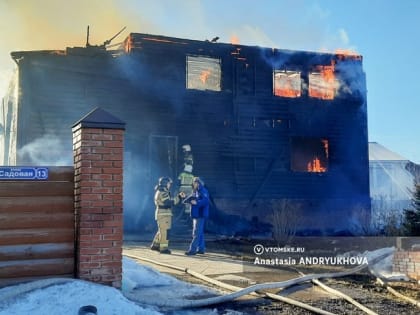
[(69, 297), (136, 275), (383, 268), (150, 287), (66, 296)]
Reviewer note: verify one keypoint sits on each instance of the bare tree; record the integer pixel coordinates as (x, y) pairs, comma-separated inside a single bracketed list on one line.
[(362, 221), (381, 220), (285, 219)]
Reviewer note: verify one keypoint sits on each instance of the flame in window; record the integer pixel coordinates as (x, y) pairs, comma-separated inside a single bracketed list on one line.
[(287, 83), (203, 73), (315, 166), (204, 76), (322, 82), (326, 148), (309, 155)]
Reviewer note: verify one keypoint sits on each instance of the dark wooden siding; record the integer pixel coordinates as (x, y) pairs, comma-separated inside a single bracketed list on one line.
[(240, 157), (37, 227)]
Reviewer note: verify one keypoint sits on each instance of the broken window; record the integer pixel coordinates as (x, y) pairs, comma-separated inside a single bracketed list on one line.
[(203, 73), (322, 83), (309, 155), (287, 83)]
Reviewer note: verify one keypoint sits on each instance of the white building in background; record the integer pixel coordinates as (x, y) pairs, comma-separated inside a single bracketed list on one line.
[(391, 183)]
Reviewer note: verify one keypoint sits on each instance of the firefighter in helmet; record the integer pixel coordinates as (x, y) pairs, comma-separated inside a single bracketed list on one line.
[(188, 156), (185, 178), (163, 214)]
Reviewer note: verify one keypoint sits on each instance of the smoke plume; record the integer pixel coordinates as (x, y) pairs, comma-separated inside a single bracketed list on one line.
[(47, 150)]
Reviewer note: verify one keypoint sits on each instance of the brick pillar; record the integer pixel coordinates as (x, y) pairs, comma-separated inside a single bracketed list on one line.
[(407, 257), (98, 170)]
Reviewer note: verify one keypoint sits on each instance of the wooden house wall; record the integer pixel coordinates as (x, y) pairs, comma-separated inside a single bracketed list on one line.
[(239, 158), (37, 227)]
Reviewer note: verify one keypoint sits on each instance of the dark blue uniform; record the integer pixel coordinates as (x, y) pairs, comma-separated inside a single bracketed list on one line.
[(199, 214)]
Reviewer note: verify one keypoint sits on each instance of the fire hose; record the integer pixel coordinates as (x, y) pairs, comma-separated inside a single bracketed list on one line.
[(344, 296), (28, 287), (391, 290), (245, 291), (234, 288)]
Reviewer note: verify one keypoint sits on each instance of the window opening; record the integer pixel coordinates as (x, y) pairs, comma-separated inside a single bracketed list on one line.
[(203, 73), (322, 82), (309, 155), (287, 83)]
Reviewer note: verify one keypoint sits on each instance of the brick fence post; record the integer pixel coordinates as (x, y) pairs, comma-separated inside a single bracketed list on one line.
[(98, 188), (406, 258)]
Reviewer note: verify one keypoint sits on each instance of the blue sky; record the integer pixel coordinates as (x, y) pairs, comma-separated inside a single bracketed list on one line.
[(384, 32)]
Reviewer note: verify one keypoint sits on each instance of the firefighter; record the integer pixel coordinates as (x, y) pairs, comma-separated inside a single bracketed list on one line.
[(163, 214), (188, 156), (200, 202), (185, 180)]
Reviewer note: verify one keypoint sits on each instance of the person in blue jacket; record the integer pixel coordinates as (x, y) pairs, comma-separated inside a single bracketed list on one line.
[(200, 203)]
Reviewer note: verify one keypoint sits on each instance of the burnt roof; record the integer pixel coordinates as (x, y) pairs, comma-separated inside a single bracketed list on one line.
[(138, 38), (138, 41)]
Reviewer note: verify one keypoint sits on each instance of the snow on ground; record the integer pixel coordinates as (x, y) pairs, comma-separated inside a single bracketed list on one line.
[(152, 286), (383, 268), (68, 297)]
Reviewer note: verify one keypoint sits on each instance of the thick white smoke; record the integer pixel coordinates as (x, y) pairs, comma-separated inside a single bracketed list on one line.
[(47, 150)]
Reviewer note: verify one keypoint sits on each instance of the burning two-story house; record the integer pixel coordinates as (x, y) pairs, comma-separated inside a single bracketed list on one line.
[(263, 123)]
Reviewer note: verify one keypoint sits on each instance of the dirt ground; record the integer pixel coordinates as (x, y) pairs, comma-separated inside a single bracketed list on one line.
[(362, 287)]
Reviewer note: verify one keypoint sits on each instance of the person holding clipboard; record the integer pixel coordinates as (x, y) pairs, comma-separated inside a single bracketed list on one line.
[(200, 203)]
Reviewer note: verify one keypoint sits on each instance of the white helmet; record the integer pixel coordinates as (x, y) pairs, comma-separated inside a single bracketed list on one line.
[(188, 168), (186, 148)]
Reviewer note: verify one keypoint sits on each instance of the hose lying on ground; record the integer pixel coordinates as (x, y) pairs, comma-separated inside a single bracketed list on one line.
[(401, 296), (357, 304), (257, 287), (342, 295), (235, 288), (262, 294), (384, 283)]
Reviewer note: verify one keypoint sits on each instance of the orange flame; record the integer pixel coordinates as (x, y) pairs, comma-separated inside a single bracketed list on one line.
[(326, 148), (327, 72), (234, 40), (287, 92), (315, 166), (287, 85), (325, 85), (347, 54), (204, 76)]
